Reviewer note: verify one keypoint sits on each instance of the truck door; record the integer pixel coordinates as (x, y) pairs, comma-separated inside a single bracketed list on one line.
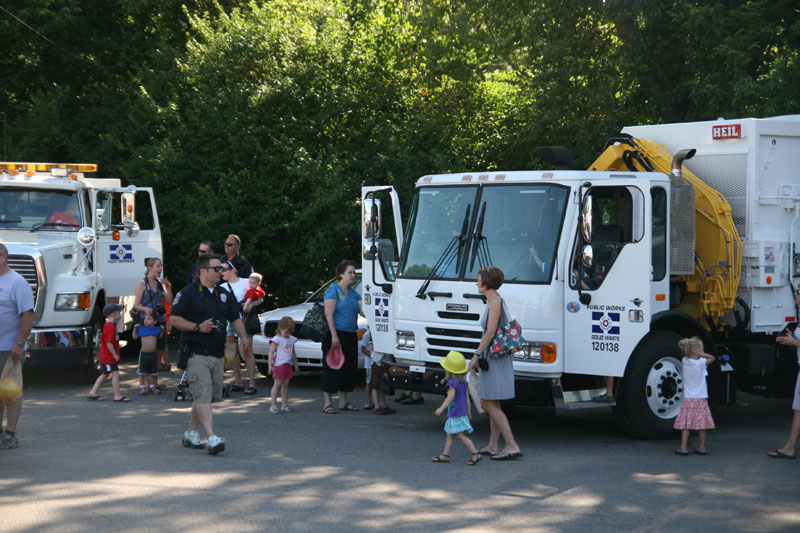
[(381, 244), (608, 297), (125, 239)]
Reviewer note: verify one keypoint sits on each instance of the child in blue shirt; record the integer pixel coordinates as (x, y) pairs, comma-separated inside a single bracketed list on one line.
[(149, 333), (458, 408)]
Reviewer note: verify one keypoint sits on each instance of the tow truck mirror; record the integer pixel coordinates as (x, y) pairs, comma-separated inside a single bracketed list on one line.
[(587, 256), (128, 216), (86, 236)]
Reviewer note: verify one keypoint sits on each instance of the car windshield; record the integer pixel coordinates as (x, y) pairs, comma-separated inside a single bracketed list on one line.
[(317, 296), (39, 209), (512, 226)]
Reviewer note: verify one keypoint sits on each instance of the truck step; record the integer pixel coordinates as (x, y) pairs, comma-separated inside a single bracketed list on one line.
[(579, 399)]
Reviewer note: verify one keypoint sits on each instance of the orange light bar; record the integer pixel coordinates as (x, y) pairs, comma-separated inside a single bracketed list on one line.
[(84, 300), (46, 167)]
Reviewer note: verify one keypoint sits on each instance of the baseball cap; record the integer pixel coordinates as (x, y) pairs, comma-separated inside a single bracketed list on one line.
[(110, 308)]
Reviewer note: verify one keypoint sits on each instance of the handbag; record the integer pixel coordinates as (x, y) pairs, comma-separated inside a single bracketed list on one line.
[(507, 339), (251, 323), (315, 325), (483, 362)]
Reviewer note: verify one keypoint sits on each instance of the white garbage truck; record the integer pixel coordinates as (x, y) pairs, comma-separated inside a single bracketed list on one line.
[(676, 230), (80, 242)]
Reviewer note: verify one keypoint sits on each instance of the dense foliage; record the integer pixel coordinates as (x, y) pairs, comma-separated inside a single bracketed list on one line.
[(265, 118)]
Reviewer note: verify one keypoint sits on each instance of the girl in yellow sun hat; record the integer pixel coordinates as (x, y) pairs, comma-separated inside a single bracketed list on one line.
[(458, 408)]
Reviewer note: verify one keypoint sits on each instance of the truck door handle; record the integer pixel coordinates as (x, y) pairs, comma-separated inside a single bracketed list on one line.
[(434, 295), (474, 296)]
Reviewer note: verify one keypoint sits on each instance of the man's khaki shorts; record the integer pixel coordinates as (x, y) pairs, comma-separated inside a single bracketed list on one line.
[(205, 377)]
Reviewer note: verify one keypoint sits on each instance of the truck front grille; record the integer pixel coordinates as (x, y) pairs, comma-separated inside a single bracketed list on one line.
[(25, 266), (441, 340)]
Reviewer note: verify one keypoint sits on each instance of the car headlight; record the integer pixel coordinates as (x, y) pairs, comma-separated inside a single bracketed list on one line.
[(406, 341), (537, 352), (73, 301)]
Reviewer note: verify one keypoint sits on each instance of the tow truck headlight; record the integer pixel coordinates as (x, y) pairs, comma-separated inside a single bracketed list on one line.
[(73, 301), (405, 340), (537, 352)]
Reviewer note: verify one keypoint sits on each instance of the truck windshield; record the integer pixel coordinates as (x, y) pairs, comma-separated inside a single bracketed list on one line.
[(40, 209), (514, 227)]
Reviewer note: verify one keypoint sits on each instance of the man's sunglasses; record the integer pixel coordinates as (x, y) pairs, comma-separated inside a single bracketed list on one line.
[(230, 244), (219, 269), (199, 251)]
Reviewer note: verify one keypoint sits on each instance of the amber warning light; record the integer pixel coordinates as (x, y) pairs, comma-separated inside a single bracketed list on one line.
[(729, 131)]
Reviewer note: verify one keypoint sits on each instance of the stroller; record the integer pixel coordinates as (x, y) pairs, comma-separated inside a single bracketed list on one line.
[(182, 391)]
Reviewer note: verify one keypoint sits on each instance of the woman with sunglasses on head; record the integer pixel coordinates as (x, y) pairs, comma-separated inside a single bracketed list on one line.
[(791, 338), (238, 286)]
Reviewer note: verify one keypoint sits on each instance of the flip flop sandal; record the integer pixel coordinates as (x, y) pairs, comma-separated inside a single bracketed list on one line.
[(485, 451), (250, 390), (329, 410), (682, 452), (95, 398), (123, 399), (700, 451), (441, 459), (506, 456), (777, 454), (475, 459), (348, 407)]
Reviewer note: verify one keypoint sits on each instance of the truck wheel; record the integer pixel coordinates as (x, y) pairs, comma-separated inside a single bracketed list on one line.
[(91, 368), (649, 396)]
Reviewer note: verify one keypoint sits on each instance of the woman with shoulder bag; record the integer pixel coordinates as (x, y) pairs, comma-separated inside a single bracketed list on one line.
[(496, 382), (151, 295), (238, 287), (342, 307)]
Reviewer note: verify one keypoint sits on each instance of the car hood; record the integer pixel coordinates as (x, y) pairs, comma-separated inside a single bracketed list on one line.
[(295, 312)]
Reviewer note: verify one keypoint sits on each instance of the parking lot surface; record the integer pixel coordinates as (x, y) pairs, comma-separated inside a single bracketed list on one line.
[(85, 466)]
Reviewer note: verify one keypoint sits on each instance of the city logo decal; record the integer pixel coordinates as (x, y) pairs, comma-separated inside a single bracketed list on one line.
[(607, 323), (382, 307), (120, 253)]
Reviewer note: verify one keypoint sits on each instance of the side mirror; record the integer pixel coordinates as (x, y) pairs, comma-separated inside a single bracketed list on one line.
[(372, 219), (587, 256), (86, 236), (128, 216), (133, 229)]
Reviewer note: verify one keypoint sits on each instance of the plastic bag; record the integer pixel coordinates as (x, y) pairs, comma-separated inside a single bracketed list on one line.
[(472, 378), (11, 381), (230, 355)]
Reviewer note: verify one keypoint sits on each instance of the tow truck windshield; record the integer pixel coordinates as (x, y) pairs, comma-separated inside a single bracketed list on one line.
[(39, 209), (515, 227)]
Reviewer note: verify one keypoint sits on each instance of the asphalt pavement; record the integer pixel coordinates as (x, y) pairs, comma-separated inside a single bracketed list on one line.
[(103, 466)]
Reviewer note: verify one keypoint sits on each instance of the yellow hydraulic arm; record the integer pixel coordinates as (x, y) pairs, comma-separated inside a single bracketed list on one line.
[(711, 290)]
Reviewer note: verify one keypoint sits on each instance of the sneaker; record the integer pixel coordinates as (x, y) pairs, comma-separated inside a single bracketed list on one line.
[(215, 445), (153, 390), (274, 409), (379, 411), (142, 391), (286, 408), (8, 441), (369, 405), (192, 440)]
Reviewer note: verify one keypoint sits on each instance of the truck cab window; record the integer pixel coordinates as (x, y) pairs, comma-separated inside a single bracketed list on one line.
[(659, 222), (612, 218)]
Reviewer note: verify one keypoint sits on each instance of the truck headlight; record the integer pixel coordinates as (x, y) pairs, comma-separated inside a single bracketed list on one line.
[(537, 352), (73, 301), (405, 340)]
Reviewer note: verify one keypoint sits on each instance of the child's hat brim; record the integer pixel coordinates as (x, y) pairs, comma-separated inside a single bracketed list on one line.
[(455, 363)]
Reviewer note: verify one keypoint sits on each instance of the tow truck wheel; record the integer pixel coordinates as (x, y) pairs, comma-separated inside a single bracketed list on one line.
[(91, 368), (650, 394)]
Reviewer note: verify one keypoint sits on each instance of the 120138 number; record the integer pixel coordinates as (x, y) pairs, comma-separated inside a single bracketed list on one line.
[(605, 346), (382, 327)]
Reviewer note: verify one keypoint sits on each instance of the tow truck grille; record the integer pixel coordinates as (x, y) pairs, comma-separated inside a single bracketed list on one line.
[(25, 267), (442, 340)]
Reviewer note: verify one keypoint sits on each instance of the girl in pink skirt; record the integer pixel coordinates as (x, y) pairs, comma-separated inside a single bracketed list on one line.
[(694, 413)]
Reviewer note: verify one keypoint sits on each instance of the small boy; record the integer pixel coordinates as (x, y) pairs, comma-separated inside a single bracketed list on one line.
[(254, 292), (366, 349), (376, 376), (149, 333), (109, 354)]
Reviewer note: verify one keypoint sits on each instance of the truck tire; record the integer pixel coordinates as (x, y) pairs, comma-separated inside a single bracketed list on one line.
[(263, 367), (89, 370), (649, 396)]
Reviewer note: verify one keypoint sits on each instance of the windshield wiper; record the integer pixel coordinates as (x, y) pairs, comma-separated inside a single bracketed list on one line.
[(480, 247), (446, 259), (55, 224)]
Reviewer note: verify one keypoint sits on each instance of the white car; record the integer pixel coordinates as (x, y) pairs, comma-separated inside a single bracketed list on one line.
[(309, 353)]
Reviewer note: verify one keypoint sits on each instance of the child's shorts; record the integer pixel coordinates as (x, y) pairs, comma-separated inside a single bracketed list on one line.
[(107, 369), (282, 371), (376, 379), (148, 364)]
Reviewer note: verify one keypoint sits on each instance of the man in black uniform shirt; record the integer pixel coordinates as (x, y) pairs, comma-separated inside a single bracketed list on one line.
[(201, 311)]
